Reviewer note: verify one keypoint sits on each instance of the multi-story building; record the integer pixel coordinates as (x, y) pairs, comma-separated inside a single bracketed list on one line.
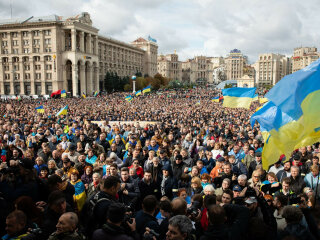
[(235, 63), (150, 57), (41, 55), (170, 67), (219, 74), (270, 68), (197, 70), (303, 56)]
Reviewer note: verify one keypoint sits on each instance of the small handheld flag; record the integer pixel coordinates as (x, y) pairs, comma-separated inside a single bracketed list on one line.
[(63, 93), (215, 99), (63, 111), (138, 93), (40, 109), (83, 95), (129, 98), (146, 89), (96, 93)]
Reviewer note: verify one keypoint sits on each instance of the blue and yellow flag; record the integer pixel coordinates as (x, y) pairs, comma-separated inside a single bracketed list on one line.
[(40, 109), (95, 93), (63, 111), (83, 95), (147, 89), (263, 100), (63, 93), (138, 93), (291, 117), (129, 98), (238, 97), (215, 99), (256, 97)]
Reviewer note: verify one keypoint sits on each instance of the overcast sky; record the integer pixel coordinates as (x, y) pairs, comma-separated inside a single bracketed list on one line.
[(193, 27)]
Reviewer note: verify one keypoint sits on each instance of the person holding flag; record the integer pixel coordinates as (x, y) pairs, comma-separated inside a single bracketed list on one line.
[(63, 111), (129, 98), (138, 93), (40, 109)]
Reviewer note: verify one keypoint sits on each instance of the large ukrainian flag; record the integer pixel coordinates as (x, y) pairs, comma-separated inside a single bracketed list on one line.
[(238, 97), (291, 117)]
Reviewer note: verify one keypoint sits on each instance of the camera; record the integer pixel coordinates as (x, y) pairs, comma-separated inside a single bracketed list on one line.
[(129, 213), (193, 210), (150, 235)]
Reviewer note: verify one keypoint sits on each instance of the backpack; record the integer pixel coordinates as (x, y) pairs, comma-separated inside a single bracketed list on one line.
[(88, 218)]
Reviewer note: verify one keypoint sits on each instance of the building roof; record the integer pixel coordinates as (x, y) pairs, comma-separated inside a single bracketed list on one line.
[(50, 18), (222, 84), (140, 39)]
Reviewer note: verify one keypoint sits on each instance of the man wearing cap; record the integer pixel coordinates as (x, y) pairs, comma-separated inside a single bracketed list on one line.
[(255, 163)]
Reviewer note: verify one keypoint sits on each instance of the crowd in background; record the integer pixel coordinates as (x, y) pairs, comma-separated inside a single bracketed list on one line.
[(168, 165)]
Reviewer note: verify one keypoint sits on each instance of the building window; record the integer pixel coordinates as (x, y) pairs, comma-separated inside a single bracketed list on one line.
[(36, 41), (26, 50), (38, 76), (7, 76), (47, 32), (15, 51), (26, 42), (4, 35), (36, 50), (14, 34), (4, 43), (15, 59), (26, 67), (16, 76), (47, 58), (48, 76), (6, 68), (37, 67), (36, 58), (36, 33), (47, 41), (48, 50), (7, 89), (27, 76), (15, 67), (48, 67), (25, 34)]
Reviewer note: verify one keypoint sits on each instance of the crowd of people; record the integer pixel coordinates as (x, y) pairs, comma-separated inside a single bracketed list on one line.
[(168, 165)]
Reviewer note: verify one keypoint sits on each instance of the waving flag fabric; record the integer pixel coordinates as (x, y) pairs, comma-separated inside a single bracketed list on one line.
[(129, 98), (146, 89), (138, 93), (238, 97), (95, 93), (215, 99), (63, 94), (63, 111), (40, 109), (291, 117)]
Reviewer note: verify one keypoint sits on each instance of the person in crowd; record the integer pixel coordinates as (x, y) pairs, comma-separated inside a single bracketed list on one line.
[(285, 172), (180, 228)]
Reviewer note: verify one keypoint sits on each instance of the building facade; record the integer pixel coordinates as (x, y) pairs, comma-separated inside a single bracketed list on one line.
[(150, 57), (235, 63), (303, 56), (41, 55), (198, 70), (271, 68), (170, 67)]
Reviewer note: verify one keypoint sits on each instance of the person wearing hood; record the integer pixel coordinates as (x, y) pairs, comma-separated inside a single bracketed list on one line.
[(178, 166), (169, 185)]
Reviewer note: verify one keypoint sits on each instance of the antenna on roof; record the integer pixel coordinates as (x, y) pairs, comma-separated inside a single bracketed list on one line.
[(27, 20)]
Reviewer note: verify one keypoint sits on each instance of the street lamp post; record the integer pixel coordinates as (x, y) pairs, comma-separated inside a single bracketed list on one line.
[(134, 83)]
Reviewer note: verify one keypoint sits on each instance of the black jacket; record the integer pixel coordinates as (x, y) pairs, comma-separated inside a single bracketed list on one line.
[(178, 169), (111, 232), (296, 230), (170, 187), (236, 230), (133, 191), (147, 189), (144, 220), (297, 184)]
